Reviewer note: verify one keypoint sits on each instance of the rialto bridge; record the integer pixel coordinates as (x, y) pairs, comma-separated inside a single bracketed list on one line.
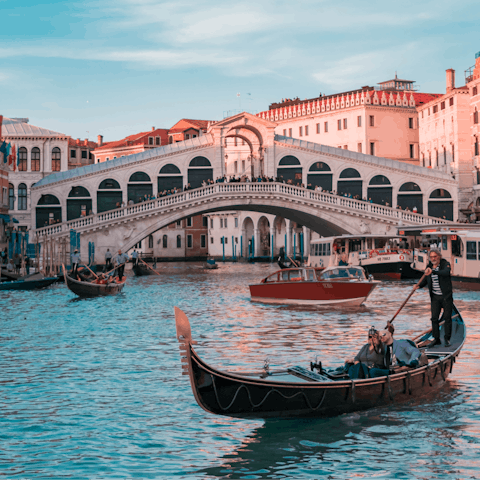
[(102, 201)]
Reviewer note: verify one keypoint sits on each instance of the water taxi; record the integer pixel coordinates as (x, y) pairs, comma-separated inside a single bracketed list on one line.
[(315, 286)]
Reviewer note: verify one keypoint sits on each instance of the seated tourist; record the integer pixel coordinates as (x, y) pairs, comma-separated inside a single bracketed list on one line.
[(370, 357), (398, 353)]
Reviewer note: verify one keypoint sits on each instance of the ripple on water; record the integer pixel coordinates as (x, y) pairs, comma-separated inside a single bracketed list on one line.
[(91, 388)]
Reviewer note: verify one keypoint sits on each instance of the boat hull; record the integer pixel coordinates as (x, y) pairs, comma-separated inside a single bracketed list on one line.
[(88, 289), (28, 284), (142, 270), (390, 270)]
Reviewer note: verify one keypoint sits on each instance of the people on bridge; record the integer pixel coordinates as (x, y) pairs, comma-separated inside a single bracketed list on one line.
[(439, 281), (75, 262), (120, 260), (108, 260)]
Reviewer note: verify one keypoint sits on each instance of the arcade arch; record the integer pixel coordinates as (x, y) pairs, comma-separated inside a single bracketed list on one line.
[(79, 203), (199, 170), (290, 170), (410, 196), (350, 183), (109, 195), (48, 211), (380, 190), (139, 186), (320, 175), (169, 177), (440, 204)]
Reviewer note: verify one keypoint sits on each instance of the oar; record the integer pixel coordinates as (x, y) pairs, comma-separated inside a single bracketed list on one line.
[(96, 276), (406, 300), (113, 269), (292, 260), (149, 266), (65, 274)]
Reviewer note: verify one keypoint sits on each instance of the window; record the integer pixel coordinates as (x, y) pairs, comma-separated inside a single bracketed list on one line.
[(187, 136), (290, 132), (359, 121), (451, 101), (179, 223), (22, 197), (35, 159), (189, 241), (56, 159), (410, 122), (221, 223), (84, 154), (73, 154), (442, 106), (165, 241), (211, 223), (203, 241), (471, 250), (11, 197), (22, 159), (344, 123), (412, 151), (444, 156), (318, 128), (475, 116), (235, 166), (179, 241), (476, 146), (284, 132), (300, 131), (435, 108), (150, 140), (372, 148), (306, 130), (453, 152), (325, 127), (339, 124), (225, 240), (372, 120), (225, 223), (150, 241), (157, 141), (474, 91), (189, 221), (345, 147), (204, 222), (359, 148), (236, 222), (107, 159)]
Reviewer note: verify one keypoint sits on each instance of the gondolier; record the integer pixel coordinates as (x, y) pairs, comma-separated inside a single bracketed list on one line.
[(135, 258), (75, 262), (108, 260), (120, 260), (439, 281)]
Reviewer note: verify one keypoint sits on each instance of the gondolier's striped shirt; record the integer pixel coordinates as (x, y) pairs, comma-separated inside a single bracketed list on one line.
[(435, 283)]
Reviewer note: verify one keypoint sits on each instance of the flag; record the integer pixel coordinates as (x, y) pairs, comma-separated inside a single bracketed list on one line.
[(11, 158), (3, 149)]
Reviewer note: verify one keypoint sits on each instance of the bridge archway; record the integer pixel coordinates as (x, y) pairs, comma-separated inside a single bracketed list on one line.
[(79, 203), (169, 177), (139, 185), (109, 195), (48, 211), (350, 183), (290, 169), (264, 236), (320, 175), (248, 231), (199, 170)]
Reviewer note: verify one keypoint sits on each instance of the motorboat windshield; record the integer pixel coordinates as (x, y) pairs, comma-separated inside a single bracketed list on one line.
[(342, 273)]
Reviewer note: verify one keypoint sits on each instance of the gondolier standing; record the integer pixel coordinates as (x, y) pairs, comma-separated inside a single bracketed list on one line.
[(75, 262), (108, 260), (135, 258), (439, 281), (120, 260)]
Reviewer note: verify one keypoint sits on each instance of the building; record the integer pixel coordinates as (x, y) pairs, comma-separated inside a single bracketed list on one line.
[(39, 153), (380, 121), (185, 129), (80, 152), (4, 217), (137, 143)]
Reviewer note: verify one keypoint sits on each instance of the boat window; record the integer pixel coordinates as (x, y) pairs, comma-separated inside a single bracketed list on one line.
[(444, 242), (343, 272), (295, 275), (369, 243), (284, 275), (310, 274), (456, 246), (471, 250), (272, 278)]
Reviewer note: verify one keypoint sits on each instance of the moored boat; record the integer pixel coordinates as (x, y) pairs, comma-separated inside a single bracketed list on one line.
[(140, 270), (94, 289), (315, 286), (29, 282), (299, 392)]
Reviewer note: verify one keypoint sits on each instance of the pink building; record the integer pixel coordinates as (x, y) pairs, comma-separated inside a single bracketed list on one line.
[(380, 121), (473, 84)]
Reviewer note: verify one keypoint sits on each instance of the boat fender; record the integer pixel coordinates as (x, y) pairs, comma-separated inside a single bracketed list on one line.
[(401, 257)]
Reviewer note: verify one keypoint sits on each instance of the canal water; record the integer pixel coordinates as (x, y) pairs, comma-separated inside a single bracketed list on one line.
[(92, 388)]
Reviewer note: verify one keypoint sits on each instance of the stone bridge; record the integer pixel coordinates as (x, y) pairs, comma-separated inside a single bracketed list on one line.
[(325, 213)]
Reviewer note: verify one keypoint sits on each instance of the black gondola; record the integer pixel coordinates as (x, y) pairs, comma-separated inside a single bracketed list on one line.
[(92, 289), (141, 270), (298, 392)]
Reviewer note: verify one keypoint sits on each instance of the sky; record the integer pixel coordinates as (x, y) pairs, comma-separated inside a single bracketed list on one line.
[(118, 67)]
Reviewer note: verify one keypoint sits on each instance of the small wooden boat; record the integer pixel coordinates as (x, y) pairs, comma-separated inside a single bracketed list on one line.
[(93, 289), (300, 392), (29, 282), (140, 270), (315, 286), (210, 266)]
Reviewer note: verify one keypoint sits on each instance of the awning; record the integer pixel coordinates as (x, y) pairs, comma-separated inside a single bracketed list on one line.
[(7, 218)]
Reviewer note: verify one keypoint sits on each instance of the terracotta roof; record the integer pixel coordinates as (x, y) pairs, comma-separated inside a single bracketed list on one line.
[(72, 142), (135, 139), (186, 123)]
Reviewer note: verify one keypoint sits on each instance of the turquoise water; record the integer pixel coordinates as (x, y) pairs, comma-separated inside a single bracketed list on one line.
[(92, 388)]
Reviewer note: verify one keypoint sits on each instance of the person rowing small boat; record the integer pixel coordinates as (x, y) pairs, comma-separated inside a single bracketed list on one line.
[(93, 285)]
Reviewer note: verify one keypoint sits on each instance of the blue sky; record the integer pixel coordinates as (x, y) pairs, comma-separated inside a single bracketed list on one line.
[(117, 67)]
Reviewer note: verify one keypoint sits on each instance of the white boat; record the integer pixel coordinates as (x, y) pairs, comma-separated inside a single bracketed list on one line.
[(383, 256), (459, 244)]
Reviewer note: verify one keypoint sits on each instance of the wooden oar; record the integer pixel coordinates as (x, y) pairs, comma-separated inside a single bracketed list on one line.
[(292, 260), (149, 266), (65, 274), (96, 276), (113, 269), (406, 300)]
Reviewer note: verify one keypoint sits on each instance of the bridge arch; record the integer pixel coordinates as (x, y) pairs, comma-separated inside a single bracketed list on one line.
[(410, 196), (380, 190), (169, 177), (48, 211), (139, 185), (79, 203), (440, 204), (290, 168), (349, 183), (320, 174), (199, 170), (109, 195)]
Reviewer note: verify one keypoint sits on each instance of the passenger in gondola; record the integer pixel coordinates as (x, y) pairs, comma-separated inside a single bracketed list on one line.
[(398, 353), (370, 357)]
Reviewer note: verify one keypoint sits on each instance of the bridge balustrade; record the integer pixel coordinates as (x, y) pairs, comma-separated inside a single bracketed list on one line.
[(210, 191)]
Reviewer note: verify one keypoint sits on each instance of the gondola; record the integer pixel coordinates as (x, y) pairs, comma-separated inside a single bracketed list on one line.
[(300, 392), (92, 289), (140, 270), (34, 283), (284, 265)]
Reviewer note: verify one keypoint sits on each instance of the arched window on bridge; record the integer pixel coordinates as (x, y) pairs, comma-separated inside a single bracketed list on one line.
[(22, 197), (440, 204), (290, 169), (139, 185), (165, 241), (48, 211), (349, 183), (199, 170), (380, 190), (109, 195), (79, 203), (169, 177), (320, 175), (410, 196)]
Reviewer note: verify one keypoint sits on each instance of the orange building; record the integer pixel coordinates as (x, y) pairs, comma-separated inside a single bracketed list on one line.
[(186, 129), (80, 152), (136, 143)]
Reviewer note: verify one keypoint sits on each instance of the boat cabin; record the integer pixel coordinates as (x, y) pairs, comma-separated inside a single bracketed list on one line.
[(306, 274)]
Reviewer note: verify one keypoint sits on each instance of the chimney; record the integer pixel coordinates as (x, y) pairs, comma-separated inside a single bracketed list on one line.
[(78, 141), (153, 129), (85, 142), (100, 140), (450, 79)]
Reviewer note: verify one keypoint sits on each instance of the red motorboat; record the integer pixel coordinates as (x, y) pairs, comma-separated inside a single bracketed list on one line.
[(315, 286)]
